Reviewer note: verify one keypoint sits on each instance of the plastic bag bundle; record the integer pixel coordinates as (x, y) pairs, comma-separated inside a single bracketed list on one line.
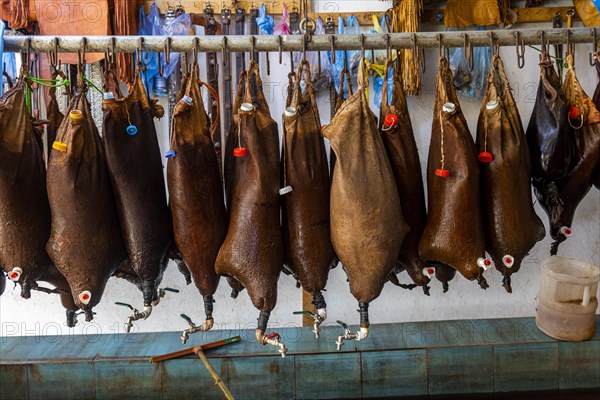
[(264, 21), (321, 77), (178, 26), (354, 56), (377, 56), (340, 59), (284, 27), (471, 83), (149, 59), (378, 87)]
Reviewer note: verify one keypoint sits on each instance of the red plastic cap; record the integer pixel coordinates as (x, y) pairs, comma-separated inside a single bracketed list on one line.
[(574, 112), (13, 275), (444, 173), (487, 262), (485, 157), (390, 120), (240, 152), (273, 335)]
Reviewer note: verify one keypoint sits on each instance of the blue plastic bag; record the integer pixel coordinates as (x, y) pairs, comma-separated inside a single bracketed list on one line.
[(353, 28), (178, 26), (378, 88), (264, 21), (471, 83), (149, 58), (2, 54), (339, 59)]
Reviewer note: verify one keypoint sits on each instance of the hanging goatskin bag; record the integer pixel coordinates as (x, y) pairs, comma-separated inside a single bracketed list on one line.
[(584, 117), (597, 104), (305, 209), (24, 208), (195, 191), (551, 142), (135, 167), (399, 141), (453, 235), (252, 252), (367, 227), (510, 223), (85, 244)]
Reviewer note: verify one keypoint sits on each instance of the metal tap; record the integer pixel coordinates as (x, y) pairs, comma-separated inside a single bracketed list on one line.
[(319, 317), (348, 335), (207, 325), (274, 339), (147, 310)]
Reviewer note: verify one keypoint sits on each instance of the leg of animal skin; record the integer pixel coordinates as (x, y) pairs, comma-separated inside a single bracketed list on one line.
[(70, 318), (263, 320), (208, 306), (319, 301), (363, 309), (426, 289), (506, 283), (482, 282), (89, 315), (554, 248), (26, 290), (445, 286), (148, 291)]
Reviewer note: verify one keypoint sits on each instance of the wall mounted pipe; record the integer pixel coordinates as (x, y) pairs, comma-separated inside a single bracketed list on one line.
[(71, 44)]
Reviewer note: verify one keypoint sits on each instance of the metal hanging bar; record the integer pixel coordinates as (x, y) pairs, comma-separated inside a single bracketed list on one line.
[(71, 44)]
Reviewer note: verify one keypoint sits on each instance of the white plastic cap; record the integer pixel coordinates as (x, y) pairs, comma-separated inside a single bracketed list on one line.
[(15, 274), (290, 111), (449, 107), (187, 100), (285, 190), (491, 105), (109, 95), (247, 107), (565, 230), (485, 263), (429, 272), (508, 260), (85, 296)]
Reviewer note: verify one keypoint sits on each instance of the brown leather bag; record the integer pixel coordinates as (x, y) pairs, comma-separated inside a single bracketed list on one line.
[(135, 167), (24, 207), (195, 190), (552, 144), (85, 243), (574, 187), (510, 223), (367, 227), (305, 210), (453, 235), (596, 100), (401, 148), (252, 252)]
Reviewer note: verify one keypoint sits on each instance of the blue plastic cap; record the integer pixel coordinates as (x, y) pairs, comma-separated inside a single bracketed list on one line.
[(131, 130), (187, 100), (170, 153)]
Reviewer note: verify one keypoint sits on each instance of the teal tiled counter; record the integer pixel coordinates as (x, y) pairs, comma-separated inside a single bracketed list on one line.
[(410, 359)]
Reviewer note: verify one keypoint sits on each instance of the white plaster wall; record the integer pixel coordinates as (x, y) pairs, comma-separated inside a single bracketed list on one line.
[(43, 314)]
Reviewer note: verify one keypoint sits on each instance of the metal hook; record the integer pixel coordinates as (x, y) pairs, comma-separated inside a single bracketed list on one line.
[(468, 53), (542, 36), (570, 45), (195, 50), (304, 40), (223, 47), (420, 57), (53, 54), (140, 50), (168, 50), (520, 48), (280, 45), (362, 46), (593, 56), (493, 45), (440, 45), (252, 46), (81, 53), (332, 41)]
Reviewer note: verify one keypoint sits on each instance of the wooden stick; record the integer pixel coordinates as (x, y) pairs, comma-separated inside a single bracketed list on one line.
[(218, 381), (194, 350)]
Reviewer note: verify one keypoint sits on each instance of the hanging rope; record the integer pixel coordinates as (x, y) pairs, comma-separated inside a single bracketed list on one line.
[(405, 18)]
